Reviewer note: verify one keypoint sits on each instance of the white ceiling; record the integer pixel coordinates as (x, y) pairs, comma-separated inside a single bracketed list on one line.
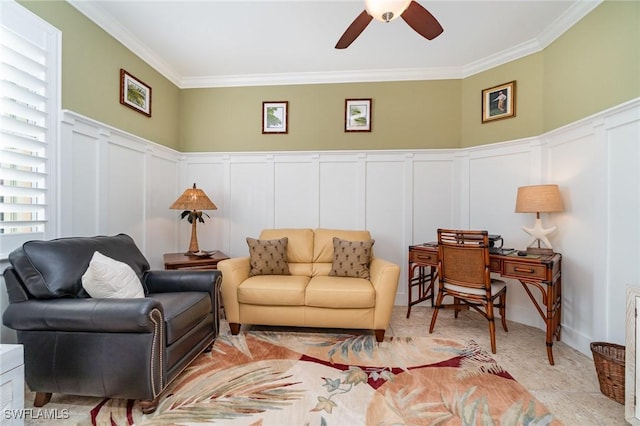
[(264, 42)]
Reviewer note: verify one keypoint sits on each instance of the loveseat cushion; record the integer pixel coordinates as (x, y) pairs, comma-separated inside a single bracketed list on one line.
[(51, 269), (274, 290), (340, 292), (299, 248), (182, 311), (268, 257)]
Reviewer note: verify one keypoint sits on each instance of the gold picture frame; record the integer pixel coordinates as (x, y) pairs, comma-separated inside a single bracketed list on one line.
[(499, 102)]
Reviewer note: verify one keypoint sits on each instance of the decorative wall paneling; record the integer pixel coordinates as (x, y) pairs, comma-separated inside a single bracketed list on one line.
[(112, 182)]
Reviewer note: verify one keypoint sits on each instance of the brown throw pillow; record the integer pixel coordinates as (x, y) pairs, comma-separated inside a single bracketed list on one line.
[(268, 257), (351, 258)]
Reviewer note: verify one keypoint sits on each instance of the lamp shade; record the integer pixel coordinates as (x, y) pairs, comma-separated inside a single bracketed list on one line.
[(193, 199), (539, 199), (386, 10)]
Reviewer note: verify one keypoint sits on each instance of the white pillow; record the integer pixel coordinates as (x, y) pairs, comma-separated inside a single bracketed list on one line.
[(108, 278)]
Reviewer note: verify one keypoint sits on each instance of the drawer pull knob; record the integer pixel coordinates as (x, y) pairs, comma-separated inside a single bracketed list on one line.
[(527, 270)]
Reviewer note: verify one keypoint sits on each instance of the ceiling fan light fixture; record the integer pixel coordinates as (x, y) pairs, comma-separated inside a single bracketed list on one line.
[(386, 10)]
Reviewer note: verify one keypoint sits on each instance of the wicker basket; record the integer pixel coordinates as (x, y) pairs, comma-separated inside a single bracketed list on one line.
[(609, 360)]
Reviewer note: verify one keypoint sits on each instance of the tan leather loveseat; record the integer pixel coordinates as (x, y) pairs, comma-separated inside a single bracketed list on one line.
[(310, 296)]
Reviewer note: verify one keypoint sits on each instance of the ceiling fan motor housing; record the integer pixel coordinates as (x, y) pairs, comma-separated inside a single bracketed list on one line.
[(386, 10)]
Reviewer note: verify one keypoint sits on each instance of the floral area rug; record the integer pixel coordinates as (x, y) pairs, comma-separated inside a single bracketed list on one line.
[(315, 379)]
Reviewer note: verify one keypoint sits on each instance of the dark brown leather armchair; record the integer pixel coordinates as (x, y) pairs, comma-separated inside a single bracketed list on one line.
[(118, 348)]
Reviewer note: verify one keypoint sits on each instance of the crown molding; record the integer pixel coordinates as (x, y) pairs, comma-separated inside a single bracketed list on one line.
[(354, 76), (558, 27), (120, 33), (567, 20), (554, 30)]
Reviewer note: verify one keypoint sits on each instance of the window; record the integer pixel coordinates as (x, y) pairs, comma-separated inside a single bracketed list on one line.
[(30, 93)]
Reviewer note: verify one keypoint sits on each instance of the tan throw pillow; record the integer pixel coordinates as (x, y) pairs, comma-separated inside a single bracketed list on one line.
[(351, 258), (268, 257)]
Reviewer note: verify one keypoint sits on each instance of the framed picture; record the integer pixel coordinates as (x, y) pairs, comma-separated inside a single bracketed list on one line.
[(134, 93), (275, 117), (499, 102), (357, 115)]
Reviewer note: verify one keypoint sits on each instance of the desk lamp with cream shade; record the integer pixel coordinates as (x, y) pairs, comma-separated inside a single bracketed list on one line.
[(539, 199), (192, 202)]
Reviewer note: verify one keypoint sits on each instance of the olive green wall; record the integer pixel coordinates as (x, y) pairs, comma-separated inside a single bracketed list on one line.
[(593, 66), (91, 62), (423, 114), (527, 73)]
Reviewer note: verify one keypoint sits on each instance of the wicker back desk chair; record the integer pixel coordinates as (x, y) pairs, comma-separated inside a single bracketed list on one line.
[(464, 274)]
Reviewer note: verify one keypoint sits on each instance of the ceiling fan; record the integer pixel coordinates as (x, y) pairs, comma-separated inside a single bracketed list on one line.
[(411, 11)]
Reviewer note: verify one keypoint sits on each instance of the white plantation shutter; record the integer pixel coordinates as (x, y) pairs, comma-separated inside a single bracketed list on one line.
[(29, 105)]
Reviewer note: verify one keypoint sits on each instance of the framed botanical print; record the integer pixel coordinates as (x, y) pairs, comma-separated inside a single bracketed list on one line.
[(275, 117), (134, 93), (357, 115)]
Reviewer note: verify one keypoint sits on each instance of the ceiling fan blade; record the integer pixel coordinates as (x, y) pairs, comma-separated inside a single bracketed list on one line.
[(423, 22), (357, 26)]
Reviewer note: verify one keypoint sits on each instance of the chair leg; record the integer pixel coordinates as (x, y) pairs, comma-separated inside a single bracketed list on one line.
[(503, 310), (41, 399), (492, 327), (379, 335), (456, 307), (436, 308)]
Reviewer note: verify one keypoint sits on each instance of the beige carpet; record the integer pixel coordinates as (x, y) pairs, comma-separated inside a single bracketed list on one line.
[(276, 378)]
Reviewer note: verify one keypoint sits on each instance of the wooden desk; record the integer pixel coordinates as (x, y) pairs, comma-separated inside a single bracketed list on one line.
[(184, 261), (540, 271)]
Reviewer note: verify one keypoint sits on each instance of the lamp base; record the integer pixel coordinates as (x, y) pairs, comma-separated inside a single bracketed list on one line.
[(539, 250), (193, 244)]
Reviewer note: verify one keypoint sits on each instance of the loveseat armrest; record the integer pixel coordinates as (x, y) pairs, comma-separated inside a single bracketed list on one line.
[(384, 278), (234, 272), (139, 315)]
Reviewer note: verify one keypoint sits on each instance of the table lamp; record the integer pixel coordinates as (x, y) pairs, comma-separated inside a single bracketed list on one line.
[(539, 199), (192, 202)]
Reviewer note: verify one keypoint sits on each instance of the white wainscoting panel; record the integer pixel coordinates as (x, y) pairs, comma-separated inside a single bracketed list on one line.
[(124, 190), (114, 182), (384, 210), (339, 197), (296, 193), (161, 187), (431, 185), (250, 192), (78, 192), (623, 268)]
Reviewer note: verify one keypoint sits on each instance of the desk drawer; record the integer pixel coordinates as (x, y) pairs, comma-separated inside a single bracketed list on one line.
[(423, 258), (495, 265), (524, 270)]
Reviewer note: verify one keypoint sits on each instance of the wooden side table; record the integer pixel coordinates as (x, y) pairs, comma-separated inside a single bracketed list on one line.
[(196, 263), (185, 261), (423, 272)]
